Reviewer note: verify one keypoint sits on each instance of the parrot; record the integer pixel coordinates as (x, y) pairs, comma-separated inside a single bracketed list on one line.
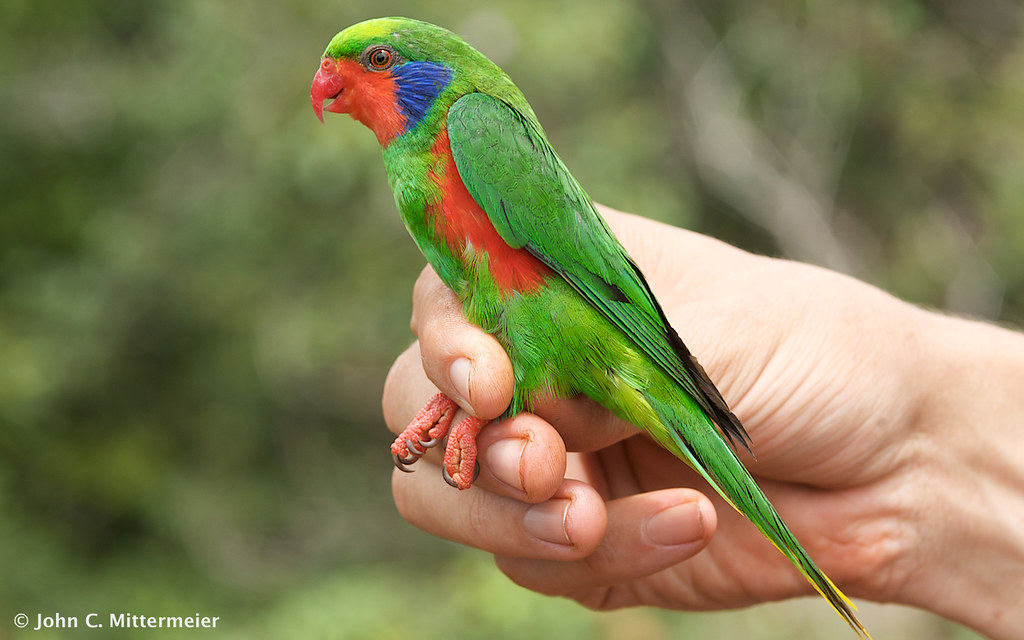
[(510, 231)]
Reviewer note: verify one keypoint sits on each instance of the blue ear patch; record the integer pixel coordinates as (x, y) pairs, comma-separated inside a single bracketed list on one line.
[(419, 84)]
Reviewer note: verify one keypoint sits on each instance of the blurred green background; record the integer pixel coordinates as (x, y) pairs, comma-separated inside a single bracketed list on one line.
[(202, 288)]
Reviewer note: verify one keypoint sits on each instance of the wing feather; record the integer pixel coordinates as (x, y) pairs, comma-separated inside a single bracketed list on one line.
[(534, 203)]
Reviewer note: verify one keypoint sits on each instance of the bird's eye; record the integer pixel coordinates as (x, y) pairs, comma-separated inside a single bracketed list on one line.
[(380, 58)]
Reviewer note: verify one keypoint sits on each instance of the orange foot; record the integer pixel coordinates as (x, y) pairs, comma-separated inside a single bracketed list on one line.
[(430, 426)]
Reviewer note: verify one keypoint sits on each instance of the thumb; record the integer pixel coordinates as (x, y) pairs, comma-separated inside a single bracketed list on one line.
[(464, 362)]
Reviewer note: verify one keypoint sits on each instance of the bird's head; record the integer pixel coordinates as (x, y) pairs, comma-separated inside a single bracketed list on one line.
[(388, 73), (396, 74)]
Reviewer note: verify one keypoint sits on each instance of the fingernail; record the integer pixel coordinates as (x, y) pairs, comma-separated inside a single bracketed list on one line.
[(678, 524), (505, 459), (547, 521), (458, 373)]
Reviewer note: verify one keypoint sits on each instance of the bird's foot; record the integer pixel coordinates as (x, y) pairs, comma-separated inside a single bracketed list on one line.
[(428, 429), (460, 467), (425, 431)]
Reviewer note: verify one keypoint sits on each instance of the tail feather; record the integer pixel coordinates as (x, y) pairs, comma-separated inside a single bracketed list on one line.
[(703, 448)]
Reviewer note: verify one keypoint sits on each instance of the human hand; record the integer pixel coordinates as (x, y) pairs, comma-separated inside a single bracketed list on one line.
[(828, 375)]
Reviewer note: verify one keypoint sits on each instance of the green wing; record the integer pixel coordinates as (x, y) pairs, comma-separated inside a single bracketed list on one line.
[(534, 203)]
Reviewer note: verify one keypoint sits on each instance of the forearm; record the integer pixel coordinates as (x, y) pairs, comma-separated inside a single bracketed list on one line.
[(970, 523)]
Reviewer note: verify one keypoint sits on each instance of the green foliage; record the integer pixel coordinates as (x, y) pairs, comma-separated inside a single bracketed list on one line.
[(201, 288)]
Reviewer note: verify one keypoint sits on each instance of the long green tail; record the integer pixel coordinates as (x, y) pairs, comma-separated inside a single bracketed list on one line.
[(704, 449)]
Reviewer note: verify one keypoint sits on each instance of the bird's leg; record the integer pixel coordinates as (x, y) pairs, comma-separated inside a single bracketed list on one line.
[(428, 429)]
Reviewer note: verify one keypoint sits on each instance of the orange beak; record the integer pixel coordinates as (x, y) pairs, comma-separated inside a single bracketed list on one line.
[(327, 85)]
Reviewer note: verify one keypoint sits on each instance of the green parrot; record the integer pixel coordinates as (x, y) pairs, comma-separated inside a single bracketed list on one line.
[(510, 231)]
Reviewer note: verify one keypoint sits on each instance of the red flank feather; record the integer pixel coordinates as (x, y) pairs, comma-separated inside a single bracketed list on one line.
[(461, 221)]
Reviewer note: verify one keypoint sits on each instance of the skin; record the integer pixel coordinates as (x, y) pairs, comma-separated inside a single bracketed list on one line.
[(886, 435)]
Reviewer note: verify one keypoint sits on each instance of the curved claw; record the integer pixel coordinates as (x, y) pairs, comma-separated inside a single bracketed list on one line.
[(433, 442), (411, 446), (448, 478), (403, 463), (451, 481)]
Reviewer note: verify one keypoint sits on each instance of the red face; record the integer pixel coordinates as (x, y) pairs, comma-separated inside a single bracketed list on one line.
[(367, 94)]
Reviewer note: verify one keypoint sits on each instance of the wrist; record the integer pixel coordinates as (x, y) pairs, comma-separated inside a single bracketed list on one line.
[(967, 561)]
